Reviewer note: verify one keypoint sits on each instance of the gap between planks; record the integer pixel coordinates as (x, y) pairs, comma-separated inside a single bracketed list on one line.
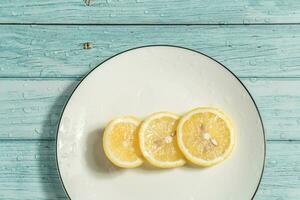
[(78, 78), (149, 24)]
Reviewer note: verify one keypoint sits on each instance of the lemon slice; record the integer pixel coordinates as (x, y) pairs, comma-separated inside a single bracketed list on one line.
[(120, 142), (158, 140), (205, 136)]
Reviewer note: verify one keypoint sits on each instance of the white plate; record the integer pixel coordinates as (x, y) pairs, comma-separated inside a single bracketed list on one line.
[(146, 80)]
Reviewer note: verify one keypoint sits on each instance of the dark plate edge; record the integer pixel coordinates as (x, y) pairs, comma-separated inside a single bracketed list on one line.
[(157, 45)]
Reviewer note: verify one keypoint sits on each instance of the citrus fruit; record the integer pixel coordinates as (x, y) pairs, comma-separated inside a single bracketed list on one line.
[(120, 142), (158, 142), (205, 136)]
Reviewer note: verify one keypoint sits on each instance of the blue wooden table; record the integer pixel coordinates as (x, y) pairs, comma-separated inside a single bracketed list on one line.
[(42, 59)]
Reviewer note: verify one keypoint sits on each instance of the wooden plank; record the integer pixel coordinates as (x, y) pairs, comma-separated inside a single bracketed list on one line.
[(28, 171), (147, 11), (57, 51), (278, 102), (30, 109), (281, 176)]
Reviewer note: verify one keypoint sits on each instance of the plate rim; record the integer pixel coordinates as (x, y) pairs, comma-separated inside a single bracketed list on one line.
[(159, 45)]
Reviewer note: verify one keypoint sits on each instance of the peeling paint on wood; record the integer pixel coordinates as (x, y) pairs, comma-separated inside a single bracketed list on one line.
[(31, 109), (149, 11), (28, 171), (56, 51)]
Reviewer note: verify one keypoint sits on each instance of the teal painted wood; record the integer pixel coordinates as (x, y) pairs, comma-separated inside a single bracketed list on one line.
[(28, 171), (57, 51), (148, 11), (281, 176), (30, 109), (54, 55)]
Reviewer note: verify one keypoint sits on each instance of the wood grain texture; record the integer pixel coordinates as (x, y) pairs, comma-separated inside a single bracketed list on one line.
[(57, 51), (28, 171), (149, 11), (265, 56), (30, 109)]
